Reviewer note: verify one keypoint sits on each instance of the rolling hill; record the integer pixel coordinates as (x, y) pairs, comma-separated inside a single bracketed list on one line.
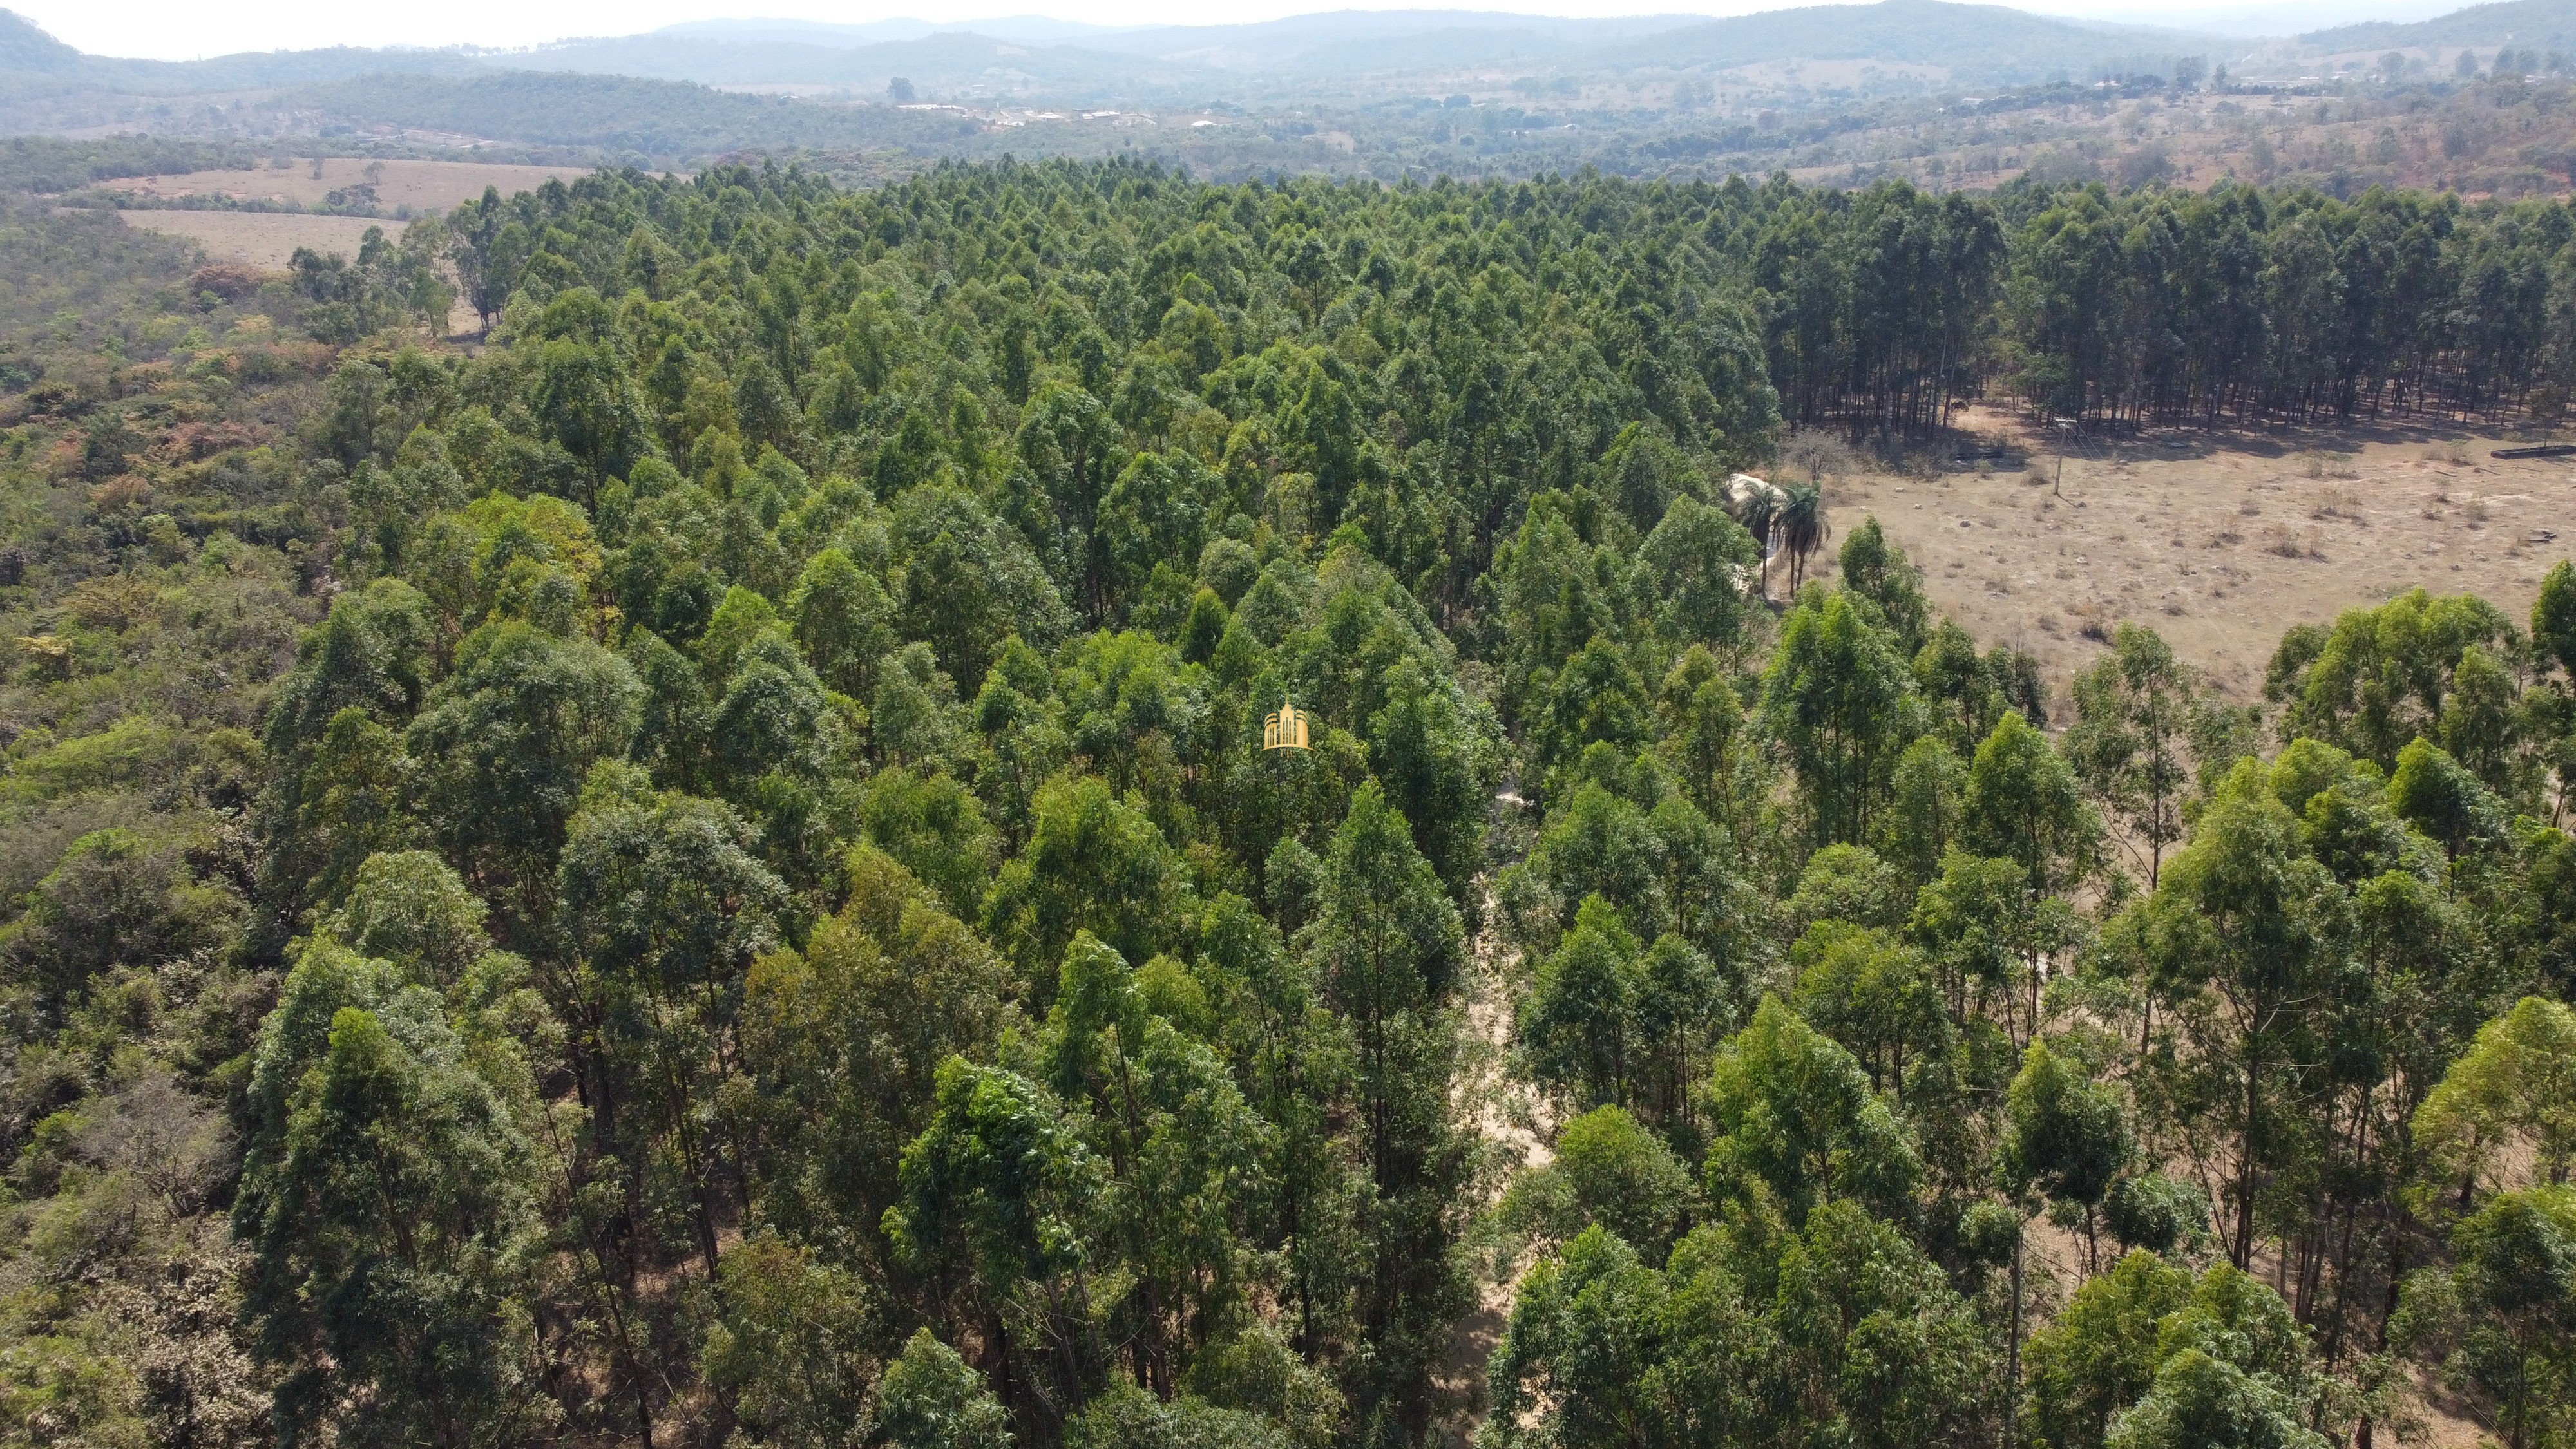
[(949, 64), (28, 53), (1048, 60), (2548, 23), (1968, 42), (626, 115)]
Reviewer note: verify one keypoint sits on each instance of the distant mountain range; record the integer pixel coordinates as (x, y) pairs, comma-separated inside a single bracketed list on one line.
[(1021, 29), (648, 94), (1042, 57), (1968, 42), (1025, 57), (1266, 45), (1037, 56)]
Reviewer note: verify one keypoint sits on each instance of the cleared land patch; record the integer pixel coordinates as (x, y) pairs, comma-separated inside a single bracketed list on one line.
[(400, 186), (2218, 540), (262, 239), (266, 239)]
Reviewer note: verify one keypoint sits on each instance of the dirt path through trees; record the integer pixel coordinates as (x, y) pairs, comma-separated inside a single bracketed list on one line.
[(1513, 1123)]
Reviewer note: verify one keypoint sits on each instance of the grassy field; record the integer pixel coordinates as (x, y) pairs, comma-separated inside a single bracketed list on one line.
[(401, 186), (2220, 541), (266, 239), (263, 239)]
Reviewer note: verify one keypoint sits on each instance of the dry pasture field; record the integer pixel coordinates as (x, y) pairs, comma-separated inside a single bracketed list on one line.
[(262, 239), (2219, 541), (400, 185), (266, 239)]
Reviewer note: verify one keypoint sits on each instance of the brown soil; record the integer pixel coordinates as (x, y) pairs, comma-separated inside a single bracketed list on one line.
[(1517, 1127), (2220, 541)]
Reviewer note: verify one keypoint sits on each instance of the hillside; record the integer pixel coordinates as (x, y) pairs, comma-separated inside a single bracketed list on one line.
[(27, 50), (28, 54), (623, 114), (2545, 23), (1974, 43), (1300, 42), (947, 65), (1023, 29)]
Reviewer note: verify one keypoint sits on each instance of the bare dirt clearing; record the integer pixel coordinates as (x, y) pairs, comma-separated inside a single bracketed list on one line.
[(401, 186), (2219, 540)]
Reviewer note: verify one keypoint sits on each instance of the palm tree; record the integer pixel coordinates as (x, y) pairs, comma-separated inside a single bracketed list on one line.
[(1803, 529)]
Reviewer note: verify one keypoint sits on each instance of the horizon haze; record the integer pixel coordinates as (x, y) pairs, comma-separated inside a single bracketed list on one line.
[(176, 31)]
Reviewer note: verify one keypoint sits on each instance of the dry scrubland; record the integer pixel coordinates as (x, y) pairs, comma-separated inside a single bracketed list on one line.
[(2221, 540)]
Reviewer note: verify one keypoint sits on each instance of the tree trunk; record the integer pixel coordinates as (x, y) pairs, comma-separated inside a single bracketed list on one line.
[(2241, 1252), (2012, 1349)]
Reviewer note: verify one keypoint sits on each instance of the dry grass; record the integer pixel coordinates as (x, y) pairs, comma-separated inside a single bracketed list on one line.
[(2282, 543), (400, 185), (2224, 547), (263, 240)]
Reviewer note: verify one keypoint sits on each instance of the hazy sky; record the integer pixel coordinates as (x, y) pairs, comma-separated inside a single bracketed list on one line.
[(183, 29)]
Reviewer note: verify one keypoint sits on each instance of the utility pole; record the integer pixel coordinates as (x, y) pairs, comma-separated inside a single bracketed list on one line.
[(2057, 489)]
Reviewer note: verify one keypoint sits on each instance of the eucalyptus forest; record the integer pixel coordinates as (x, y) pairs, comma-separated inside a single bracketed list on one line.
[(702, 870)]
